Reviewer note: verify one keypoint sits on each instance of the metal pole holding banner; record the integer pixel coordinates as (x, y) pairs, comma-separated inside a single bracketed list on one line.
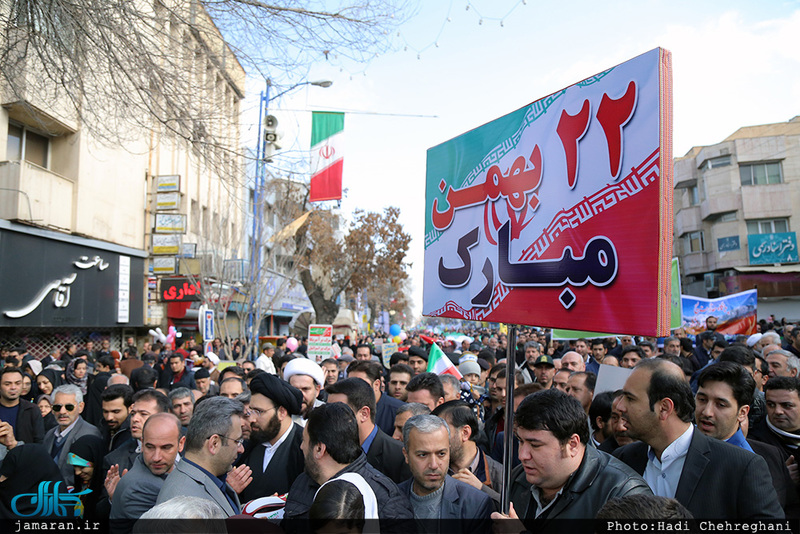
[(508, 436)]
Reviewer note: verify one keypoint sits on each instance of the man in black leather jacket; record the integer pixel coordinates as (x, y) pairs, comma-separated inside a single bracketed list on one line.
[(559, 476)]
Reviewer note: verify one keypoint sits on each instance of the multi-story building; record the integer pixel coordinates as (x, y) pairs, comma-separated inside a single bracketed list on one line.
[(737, 209), (81, 223)]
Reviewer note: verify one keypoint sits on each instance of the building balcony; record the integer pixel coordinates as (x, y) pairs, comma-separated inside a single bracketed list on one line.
[(688, 220), (719, 204), (695, 263), (29, 193)]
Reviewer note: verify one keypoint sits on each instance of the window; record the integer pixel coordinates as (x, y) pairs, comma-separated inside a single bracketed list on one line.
[(25, 144), (728, 217), (768, 226), (694, 196), (760, 173), (695, 242), (713, 163)]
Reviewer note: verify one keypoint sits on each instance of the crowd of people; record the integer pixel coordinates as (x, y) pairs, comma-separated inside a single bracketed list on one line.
[(704, 429)]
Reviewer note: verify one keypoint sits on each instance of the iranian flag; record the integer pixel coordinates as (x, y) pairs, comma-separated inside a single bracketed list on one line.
[(327, 130), (440, 364)]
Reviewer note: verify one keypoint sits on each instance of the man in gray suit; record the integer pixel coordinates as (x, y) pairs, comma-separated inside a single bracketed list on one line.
[(213, 441), (67, 406), (138, 489)]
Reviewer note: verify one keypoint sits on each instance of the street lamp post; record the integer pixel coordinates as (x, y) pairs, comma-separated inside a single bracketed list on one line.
[(258, 196)]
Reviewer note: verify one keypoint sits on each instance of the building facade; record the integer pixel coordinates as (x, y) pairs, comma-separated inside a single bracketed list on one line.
[(88, 228), (737, 209)]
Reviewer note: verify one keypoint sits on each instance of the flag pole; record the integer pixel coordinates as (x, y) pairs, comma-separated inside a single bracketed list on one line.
[(508, 436)]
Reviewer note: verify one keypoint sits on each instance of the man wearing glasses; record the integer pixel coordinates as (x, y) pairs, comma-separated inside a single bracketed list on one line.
[(67, 407), (213, 441), (273, 452)]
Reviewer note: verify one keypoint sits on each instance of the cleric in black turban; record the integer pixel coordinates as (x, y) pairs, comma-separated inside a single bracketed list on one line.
[(278, 391)]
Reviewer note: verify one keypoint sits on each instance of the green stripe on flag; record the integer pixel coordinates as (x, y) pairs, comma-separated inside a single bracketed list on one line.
[(324, 124), (676, 316)]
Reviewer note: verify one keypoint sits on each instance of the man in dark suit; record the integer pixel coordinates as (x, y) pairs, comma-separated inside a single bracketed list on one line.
[(383, 453), (138, 490), (712, 479), (273, 452), (67, 405), (435, 495), (20, 421), (724, 397), (385, 405)]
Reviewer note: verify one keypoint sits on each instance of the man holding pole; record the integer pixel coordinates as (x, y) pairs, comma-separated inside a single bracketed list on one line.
[(559, 476)]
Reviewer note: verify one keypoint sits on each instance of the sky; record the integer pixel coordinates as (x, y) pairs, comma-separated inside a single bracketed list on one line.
[(460, 64)]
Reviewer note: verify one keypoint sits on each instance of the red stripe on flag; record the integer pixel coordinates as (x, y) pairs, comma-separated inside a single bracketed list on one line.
[(327, 185)]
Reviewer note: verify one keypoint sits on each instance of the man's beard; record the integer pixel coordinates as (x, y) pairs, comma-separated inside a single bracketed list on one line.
[(313, 470), (267, 434)]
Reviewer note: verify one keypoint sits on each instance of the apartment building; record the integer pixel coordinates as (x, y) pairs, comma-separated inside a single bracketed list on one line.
[(737, 211)]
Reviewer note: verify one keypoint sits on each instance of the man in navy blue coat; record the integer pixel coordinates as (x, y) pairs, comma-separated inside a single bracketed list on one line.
[(434, 495)]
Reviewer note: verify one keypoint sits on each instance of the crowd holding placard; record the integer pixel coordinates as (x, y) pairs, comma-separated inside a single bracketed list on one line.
[(704, 429)]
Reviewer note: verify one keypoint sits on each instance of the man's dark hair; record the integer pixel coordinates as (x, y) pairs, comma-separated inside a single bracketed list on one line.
[(174, 355), (162, 401), (554, 411), (741, 354), (329, 360), (361, 346), (106, 360), (496, 368), (686, 344), (5, 370), (527, 389), (664, 385), (737, 377), (720, 343), (398, 357), (489, 355), (339, 503), (761, 365), (143, 378), (600, 407), (179, 341), (401, 368), (597, 341), (632, 348), (373, 370), (429, 381), (334, 425), (149, 358), (649, 344), (640, 507), (235, 369), (788, 383), (460, 415), (358, 393), (118, 391), (590, 381)]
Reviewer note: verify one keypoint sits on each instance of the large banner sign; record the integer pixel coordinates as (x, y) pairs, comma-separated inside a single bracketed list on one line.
[(736, 314), (559, 214)]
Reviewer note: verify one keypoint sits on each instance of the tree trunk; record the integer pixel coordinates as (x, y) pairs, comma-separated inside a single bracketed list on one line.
[(325, 309)]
